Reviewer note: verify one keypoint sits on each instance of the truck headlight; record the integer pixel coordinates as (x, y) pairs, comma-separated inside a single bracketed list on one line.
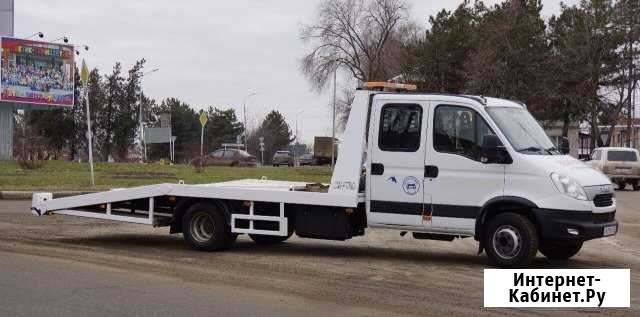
[(568, 186)]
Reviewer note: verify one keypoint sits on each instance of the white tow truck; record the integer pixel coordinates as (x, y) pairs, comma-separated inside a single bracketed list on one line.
[(439, 166)]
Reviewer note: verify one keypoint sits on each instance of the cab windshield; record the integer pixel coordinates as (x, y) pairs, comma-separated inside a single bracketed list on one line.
[(523, 131)]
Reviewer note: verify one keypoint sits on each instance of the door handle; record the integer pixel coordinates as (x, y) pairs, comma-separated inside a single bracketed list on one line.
[(377, 169), (430, 171)]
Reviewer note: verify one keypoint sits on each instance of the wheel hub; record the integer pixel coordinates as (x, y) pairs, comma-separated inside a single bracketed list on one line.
[(202, 227), (507, 242)]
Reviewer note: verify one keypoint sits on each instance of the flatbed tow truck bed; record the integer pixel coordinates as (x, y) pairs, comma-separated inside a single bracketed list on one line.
[(164, 204), (125, 204)]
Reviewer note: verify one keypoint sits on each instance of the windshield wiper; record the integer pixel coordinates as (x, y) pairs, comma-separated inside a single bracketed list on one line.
[(553, 150), (531, 149)]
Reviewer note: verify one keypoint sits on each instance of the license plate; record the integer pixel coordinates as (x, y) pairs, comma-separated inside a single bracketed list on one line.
[(609, 231)]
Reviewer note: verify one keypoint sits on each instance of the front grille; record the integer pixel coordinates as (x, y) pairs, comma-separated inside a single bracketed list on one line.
[(603, 200), (604, 217)]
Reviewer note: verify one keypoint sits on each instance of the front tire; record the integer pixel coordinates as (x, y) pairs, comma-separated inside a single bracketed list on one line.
[(636, 186), (511, 240), (205, 229), (621, 185), (560, 252)]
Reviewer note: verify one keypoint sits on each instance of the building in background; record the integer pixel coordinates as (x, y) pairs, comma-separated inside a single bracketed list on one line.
[(620, 135), (579, 139)]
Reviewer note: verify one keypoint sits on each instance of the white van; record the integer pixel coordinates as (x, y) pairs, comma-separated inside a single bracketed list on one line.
[(439, 166), (620, 164)]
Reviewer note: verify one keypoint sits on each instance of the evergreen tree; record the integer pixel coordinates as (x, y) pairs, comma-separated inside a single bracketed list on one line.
[(276, 133), (185, 126), (222, 127), (436, 61), (510, 54)]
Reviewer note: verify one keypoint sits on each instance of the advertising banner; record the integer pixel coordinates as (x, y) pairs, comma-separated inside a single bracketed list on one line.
[(36, 72)]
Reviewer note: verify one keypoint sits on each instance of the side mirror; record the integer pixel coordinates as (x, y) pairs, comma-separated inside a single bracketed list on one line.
[(564, 146), (493, 151)]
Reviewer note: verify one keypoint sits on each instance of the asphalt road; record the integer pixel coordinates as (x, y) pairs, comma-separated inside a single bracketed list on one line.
[(61, 265), (41, 286)]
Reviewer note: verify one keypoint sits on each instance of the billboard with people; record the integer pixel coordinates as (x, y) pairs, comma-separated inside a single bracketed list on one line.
[(35, 72)]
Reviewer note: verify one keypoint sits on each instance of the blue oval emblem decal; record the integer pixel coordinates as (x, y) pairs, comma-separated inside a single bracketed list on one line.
[(411, 185)]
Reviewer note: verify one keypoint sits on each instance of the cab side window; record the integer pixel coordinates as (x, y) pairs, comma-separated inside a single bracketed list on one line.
[(400, 128), (459, 130)]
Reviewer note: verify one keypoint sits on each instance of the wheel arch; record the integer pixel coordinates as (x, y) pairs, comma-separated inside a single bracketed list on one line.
[(185, 202), (499, 205)]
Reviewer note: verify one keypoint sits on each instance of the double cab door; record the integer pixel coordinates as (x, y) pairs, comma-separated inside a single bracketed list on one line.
[(396, 179), (426, 170)]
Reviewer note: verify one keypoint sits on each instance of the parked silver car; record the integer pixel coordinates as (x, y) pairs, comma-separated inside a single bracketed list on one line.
[(282, 158)]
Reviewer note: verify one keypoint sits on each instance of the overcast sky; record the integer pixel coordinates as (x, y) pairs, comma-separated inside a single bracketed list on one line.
[(209, 52)]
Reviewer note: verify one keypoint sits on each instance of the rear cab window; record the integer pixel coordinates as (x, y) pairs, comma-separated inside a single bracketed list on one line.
[(400, 128)]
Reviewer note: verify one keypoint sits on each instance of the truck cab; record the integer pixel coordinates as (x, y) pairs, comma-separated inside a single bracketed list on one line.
[(445, 166)]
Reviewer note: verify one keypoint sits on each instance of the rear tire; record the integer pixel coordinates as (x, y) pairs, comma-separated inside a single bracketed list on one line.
[(205, 228), (621, 185), (511, 240), (560, 252), (636, 186)]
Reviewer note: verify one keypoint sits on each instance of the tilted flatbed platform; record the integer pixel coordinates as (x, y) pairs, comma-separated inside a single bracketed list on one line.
[(165, 204)]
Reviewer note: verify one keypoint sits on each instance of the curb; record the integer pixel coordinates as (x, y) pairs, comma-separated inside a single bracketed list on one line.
[(26, 195)]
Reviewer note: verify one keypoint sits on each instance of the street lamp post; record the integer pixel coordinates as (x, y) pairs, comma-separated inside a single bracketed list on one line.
[(244, 113), (333, 122), (84, 74), (143, 151), (38, 34), (295, 147)]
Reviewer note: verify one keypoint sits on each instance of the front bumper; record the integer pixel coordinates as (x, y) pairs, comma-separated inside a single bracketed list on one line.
[(623, 177), (556, 224)]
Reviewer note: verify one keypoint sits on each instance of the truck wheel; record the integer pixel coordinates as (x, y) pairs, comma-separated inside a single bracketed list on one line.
[(636, 186), (511, 240), (621, 185), (263, 239), (204, 228), (560, 252)]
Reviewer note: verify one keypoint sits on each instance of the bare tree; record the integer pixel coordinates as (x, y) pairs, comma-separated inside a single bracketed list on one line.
[(358, 36), (343, 106)]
